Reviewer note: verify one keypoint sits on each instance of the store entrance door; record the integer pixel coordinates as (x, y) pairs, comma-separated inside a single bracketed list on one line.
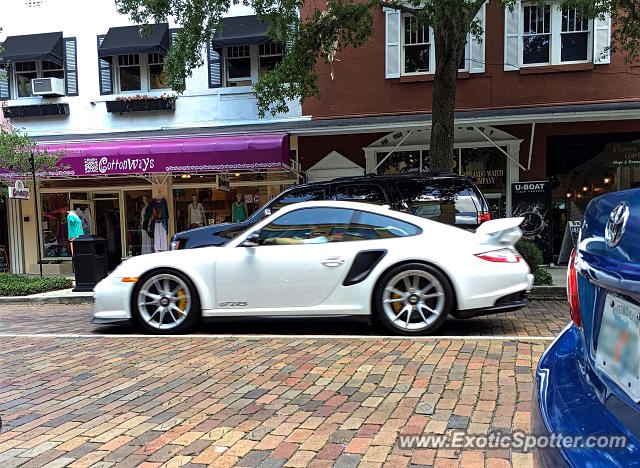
[(107, 226)]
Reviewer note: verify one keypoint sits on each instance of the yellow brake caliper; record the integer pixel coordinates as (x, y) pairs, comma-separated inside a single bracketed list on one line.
[(182, 301)]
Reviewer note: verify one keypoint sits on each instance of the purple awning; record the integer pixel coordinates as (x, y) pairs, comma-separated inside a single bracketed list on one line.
[(211, 154)]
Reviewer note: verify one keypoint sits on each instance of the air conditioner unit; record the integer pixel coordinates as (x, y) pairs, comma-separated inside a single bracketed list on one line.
[(48, 86)]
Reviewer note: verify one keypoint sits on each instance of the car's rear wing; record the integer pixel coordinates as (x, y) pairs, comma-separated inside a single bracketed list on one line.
[(503, 231)]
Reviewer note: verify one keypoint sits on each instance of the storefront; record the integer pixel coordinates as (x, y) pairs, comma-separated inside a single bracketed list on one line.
[(137, 194), (492, 162)]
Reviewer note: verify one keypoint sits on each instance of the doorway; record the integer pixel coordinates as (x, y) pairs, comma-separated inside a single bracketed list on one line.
[(107, 225)]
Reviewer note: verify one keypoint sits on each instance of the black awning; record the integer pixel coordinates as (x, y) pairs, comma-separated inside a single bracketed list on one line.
[(135, 40), (240, 30), (46, 46)]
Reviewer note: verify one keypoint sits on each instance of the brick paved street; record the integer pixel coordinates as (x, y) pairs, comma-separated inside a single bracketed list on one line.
[(106, 400)]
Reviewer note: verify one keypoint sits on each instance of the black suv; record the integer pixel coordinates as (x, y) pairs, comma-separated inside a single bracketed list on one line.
[(448, 198)]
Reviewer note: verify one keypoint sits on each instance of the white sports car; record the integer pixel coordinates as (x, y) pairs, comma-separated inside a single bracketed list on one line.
[(326, 259)]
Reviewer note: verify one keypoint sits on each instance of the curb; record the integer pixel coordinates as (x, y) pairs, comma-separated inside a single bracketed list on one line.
[(46, 300), (547, 293)]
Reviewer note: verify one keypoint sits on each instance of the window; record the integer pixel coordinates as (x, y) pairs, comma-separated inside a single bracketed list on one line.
[(129, 72), (307, 226), (238, 66), (360, 193), (298, 196), (574, 38), (374, 226), (415, 46), (536, 34), (157, 76), (269, 56), (25, 72)]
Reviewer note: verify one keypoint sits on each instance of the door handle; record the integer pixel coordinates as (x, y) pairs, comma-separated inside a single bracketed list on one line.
[(333, 261)]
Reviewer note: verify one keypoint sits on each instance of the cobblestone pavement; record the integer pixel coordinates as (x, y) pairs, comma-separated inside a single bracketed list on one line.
[(106, 400), (540, 318)]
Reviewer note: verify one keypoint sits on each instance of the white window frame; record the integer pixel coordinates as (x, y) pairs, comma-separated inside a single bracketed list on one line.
[(432, 51), (39, 72), (589, 32), (145, 75), (252, 68), (149, 64), (555, 39), (279, 52)]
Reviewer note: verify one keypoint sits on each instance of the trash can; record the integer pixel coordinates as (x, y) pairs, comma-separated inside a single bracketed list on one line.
[(89, 262)]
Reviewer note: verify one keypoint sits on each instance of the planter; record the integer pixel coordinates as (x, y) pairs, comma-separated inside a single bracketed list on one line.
[(141, 105), (38, 110)]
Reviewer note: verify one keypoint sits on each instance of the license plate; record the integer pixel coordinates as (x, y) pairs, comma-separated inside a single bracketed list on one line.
[(618, 353)]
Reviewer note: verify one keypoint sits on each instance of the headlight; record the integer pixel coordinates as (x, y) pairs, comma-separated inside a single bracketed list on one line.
[(175, 245)]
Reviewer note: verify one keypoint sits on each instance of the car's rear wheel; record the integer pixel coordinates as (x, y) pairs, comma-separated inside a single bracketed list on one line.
[(165, 302), (413, 299)]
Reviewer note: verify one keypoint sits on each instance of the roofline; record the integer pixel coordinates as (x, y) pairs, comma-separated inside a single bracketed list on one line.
[(608, 111)]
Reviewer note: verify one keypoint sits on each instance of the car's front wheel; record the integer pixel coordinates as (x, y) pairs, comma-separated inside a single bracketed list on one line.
[(165, 302), (413, 299)]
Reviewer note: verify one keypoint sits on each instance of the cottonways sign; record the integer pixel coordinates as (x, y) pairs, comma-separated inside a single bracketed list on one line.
[(19, 191)]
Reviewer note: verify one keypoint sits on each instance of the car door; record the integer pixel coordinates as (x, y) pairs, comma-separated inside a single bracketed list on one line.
[(299, 260)]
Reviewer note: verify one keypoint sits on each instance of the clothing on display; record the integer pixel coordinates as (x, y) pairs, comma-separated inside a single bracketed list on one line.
[(85, 215), (146, 242), (74, 224), (239, 212), (155, 222), (197, 217)]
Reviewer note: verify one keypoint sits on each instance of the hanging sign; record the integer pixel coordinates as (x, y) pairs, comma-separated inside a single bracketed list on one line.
[(532, 201), (19, 191), (222, 182), (623, 154)]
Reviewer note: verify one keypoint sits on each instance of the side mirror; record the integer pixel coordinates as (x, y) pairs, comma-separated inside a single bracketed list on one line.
[(252, 240)]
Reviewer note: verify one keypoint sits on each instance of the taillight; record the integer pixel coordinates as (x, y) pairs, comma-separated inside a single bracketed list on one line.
[(572, 290), (500, 256), (483, 216)]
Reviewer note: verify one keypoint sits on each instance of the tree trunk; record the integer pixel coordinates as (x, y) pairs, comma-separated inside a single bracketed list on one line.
[(449, 53)]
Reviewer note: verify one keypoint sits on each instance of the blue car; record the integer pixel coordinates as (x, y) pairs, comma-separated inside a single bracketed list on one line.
[(588, 380)]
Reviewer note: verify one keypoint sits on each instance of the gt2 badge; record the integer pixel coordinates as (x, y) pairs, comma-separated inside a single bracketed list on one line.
[(233, 304)]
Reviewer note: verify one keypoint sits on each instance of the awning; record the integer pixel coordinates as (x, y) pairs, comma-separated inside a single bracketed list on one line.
[(46, 46), (174, 155), (240, 30), (135, 40)]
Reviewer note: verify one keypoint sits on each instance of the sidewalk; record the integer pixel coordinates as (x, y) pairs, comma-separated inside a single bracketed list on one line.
[(63, 296)]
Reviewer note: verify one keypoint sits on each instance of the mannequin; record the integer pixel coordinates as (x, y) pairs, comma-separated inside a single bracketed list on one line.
[(159, 223), (239, 210), (146, 242), (84, 214), (197, 218), (74, 224)]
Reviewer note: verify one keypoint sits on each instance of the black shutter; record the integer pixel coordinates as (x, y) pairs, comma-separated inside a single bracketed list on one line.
[(173, 33), (5, 89), (70, 67), (215, 66), (104, 71)]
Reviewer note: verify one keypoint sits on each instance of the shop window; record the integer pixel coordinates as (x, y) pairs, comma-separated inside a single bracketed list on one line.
[(26, 72), (137, 240), (238, 66), (398, 162), (55, 242), (359, 193), (488, 167), (200, 206), (269, 56)]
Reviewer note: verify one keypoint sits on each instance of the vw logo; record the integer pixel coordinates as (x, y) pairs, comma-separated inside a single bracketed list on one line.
[(616, 225)]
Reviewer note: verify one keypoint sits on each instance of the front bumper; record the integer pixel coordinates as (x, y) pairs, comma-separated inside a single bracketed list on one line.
[(112, 301), (565, 402)]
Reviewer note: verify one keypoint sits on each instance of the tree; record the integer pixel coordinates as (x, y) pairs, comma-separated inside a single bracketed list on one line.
[(16, 149), (325, 32)]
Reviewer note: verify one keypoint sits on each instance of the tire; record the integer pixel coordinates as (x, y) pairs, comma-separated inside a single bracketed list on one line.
[(406, 309), (172, 303)]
